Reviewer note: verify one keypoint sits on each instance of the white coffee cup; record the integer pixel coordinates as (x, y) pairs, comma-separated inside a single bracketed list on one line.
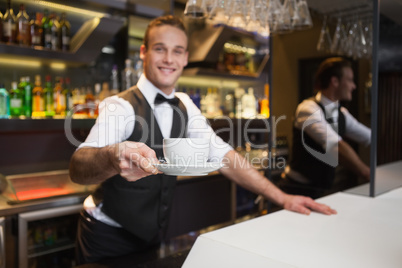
[(186, 151)]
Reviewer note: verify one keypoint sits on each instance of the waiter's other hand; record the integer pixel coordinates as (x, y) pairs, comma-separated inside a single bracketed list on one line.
[(135, 160), (305, 205)]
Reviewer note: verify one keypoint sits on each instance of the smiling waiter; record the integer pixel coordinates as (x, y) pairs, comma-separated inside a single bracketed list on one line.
[(129, 211)]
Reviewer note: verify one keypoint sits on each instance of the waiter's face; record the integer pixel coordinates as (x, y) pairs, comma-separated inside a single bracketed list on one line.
[(165, 57), (346, 85)]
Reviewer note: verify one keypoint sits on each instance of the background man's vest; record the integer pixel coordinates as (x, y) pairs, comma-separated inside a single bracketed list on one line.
[(319, 173)]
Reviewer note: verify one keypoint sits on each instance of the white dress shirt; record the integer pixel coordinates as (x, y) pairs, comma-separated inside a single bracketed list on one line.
[(115, 124), (311, 119)]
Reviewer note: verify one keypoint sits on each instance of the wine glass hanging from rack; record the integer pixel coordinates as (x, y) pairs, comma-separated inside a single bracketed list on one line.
[(261, 17)]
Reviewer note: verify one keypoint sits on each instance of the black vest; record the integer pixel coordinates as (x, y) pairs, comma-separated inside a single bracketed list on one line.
[(318, 172), (142, 207)]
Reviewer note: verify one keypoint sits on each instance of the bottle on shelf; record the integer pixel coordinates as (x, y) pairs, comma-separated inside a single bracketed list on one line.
[(239, 92), (23, 27), (90, 103), (105, 92), (78, 98), (229, 104), (212, 103), (97, 98), (114, 81), (37, 31), (249, 104), (138, 70), (128, 74), (55, 32), (46, 31), (197, 98), (264, 103), (38, 101), (65, 32), (67, 93), (28, 97), (9, 25), (4, 102), (16, 100), (59, 100), (48, 96)]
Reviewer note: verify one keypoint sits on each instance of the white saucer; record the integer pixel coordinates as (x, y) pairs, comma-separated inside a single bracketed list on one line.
[(182, 170)]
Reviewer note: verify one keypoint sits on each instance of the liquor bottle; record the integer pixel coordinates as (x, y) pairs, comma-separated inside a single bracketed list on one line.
[(23, 27), (48, 96), (90, 103), (46, 33), (249, 104), (68, 96), (210, 103), (105, 91), (55, 32), (16, 100), (21, 87), (9, 26), (264, 104), (239, 92), (28, 97), (38, 101), (65, 32), (4, 102), (114, 81), (127, 77), (197, 98), (59, 100), (97, 98), (37, 31)]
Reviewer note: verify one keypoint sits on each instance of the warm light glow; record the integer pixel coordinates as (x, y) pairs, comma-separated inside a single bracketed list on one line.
[(58, 65), (25, 63), (200, 81), (239, 49), (68, 9)]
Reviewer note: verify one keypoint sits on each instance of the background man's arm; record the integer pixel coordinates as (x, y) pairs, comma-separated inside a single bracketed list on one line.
[(349, 158)]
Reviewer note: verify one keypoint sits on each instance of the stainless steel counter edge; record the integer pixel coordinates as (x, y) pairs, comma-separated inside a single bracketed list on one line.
[(7, 209)]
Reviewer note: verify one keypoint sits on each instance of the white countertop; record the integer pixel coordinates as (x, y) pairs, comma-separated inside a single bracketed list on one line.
[(366, 232)]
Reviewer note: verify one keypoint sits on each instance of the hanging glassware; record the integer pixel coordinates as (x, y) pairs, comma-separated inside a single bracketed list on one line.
[(337, 36), (219, 12), (195, 9), (305, 21), (284, 24), (324, 41), (238, 14)]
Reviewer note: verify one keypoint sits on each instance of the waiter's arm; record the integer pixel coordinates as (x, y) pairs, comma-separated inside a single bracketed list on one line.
[(132, 160), (238, 169), (349, 158)]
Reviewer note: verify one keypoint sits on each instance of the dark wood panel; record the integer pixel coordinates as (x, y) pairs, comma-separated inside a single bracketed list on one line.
[(389, 148)]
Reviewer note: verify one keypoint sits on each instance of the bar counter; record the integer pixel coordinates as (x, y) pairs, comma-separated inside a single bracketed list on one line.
[(366, 232)]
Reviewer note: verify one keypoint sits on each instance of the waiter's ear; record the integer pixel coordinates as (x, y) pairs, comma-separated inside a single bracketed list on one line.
[(143, 51), (334, 81)]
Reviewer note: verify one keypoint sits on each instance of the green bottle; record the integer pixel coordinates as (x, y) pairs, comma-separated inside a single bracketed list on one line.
[(28, 97), (4, 102), (16, 100), (68, 97), (47, 34), (48, 96)]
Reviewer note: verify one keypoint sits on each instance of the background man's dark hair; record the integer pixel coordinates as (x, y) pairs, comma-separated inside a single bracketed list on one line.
[(329, 68), (164, 20)]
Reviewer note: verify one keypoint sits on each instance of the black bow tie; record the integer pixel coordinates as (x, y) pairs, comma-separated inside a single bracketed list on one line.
[(160, 99)]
